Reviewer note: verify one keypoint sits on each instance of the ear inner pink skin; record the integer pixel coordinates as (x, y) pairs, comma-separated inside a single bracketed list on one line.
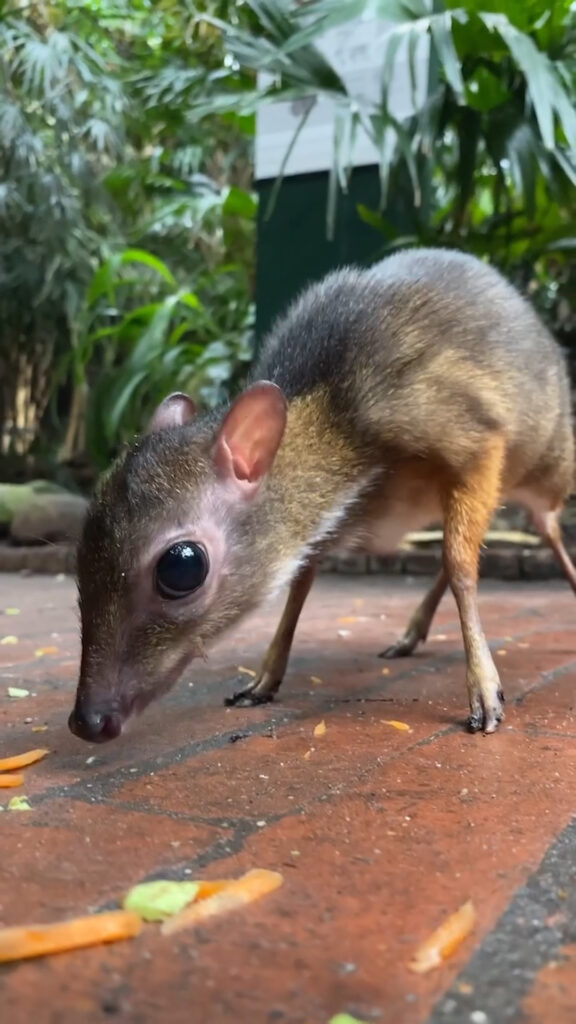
[(250, 435), (174, 411)]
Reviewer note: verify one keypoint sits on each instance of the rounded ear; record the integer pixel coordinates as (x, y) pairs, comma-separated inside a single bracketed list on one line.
[(250, 435), (173, 411)]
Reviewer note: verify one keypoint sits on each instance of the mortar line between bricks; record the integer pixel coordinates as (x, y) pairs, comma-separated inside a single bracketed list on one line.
[(116, 776), (107, 785), (453, 624), (501, 971)]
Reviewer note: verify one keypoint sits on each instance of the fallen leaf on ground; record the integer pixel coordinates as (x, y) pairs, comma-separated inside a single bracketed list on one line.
[(10, 781), (320, 729), (8, 764), (19, 803), (45, 650), (24, 942), (16, 691), (252, 886), (155, 901), (401, 726), (445, 940), (7, 640)]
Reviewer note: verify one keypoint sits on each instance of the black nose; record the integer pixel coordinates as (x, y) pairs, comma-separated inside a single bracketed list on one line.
[(95, 726)]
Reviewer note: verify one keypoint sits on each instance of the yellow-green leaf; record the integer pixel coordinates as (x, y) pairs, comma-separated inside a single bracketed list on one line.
[(19, 803), (345, 1018), (155, 901)]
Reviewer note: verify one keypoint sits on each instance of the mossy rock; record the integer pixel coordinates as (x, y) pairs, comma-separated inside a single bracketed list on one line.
[(14, 497)]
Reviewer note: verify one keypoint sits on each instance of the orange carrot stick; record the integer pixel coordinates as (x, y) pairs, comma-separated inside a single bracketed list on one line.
[(251, 886), (210, 888), (22, 943), (8, 764), (445, 940), (9, 781)]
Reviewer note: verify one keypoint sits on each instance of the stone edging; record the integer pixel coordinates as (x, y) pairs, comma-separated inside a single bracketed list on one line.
[(502, 563)]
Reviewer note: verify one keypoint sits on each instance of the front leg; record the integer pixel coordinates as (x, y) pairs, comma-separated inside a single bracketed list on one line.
[(263, 689)]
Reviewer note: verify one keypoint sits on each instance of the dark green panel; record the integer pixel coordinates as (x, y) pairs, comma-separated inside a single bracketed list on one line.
[(292, 247)]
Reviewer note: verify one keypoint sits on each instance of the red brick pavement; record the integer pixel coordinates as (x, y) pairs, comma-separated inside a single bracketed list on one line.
[(378, 832)]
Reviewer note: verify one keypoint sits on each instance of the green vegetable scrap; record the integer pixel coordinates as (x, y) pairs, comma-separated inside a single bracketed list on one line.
[(345, 1018), (19, 803), (155, 901), (15, 691)]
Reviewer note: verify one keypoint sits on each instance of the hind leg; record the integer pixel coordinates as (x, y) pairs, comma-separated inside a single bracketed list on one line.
[(419, 625), (469, 504), (548, 525)]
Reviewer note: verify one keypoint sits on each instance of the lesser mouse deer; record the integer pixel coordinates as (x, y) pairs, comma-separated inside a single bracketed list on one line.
[(422, 389)]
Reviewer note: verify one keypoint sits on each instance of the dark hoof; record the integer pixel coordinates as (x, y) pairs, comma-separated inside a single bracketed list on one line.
[(260, 691), (401, 649), (474, 723), (487, 720), (244, 699)]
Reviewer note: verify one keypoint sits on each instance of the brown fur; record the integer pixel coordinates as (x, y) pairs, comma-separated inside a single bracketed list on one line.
[(422, 389)]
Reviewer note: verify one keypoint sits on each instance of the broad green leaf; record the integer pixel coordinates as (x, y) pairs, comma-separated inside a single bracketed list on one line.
[(484, 90), (239, 203), (544, 85), (441, 29), (126, 386), (148, 260)]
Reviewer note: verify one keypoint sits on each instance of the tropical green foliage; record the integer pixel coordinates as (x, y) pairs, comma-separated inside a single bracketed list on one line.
[(95, 159), (489, 153), (126, 211)]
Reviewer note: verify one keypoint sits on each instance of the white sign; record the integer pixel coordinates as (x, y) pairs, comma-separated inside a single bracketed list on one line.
[(355, 50)]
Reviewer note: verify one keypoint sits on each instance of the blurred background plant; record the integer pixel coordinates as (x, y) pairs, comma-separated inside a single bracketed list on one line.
[(127, 235), (126, 211)]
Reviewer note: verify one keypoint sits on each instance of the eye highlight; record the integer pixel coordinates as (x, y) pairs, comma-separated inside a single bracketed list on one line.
[(181, 570)]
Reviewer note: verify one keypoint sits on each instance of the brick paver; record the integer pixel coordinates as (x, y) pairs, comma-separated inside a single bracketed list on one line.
[(378, 832)]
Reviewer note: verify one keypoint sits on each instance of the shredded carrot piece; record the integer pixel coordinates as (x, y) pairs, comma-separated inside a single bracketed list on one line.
[(210, 888), (320, 729), (8, 764), (22, 943), (251, 886), (9, 781), (401, 726), (445, 940)]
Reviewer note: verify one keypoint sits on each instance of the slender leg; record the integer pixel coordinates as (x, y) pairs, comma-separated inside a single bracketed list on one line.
[(548, 525), (417, 628), (469, 505), (262, 689)]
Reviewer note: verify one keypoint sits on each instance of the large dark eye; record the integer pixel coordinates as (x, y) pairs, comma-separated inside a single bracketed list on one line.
[(181, 569)]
